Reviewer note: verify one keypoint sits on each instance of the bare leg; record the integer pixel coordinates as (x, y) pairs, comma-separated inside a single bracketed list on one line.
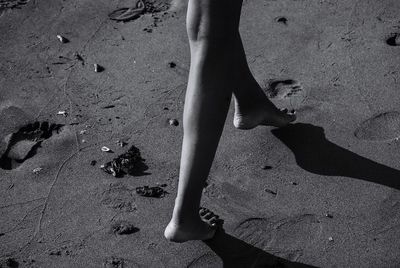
[(212, 27), (252, 106)]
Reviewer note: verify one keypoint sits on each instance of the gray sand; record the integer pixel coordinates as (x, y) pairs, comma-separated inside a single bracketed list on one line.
[(330, 199)]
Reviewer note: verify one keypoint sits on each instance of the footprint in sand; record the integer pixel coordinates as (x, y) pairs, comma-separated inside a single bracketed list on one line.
[(12, 4), (382, 127), (281, 89), (123, 228), (24, 143), (393, 40), (119, 197), (286, 238)]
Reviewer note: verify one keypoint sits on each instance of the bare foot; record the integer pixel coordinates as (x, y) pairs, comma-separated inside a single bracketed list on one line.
[(266, 114), (202, 228)]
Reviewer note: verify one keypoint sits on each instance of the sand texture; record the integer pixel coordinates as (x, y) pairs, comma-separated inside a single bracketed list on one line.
[(323, 192)]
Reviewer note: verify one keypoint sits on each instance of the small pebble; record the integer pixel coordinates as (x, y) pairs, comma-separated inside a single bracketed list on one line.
[(37, 170), (328, 215), (330, 238), (173, 122), (121, 143), (98, 68), (78, 57), (62, 39), (93, 162), (294, 183), (281, 20), (171, 64), (270, 191), (64, 113)]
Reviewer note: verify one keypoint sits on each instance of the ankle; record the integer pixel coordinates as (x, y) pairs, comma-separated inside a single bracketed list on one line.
[(181, 216)]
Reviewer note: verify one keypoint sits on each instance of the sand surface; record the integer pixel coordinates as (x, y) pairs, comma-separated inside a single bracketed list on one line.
[(327, 197)]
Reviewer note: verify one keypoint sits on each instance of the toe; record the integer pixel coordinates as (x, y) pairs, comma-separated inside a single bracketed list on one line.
[(213, 220), (208, 215), (203, 211)]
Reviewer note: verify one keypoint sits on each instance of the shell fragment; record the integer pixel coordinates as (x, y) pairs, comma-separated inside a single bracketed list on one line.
[(106, 149), (64, 113)]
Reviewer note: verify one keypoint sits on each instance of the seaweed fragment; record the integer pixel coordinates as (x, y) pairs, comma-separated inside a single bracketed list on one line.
[(151, 191), (123, 228), (130, 162)]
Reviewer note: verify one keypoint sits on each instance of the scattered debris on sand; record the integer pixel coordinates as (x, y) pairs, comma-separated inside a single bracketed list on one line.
[(64, 113), (151, 191), (98, 68), (62, 39), (129, 162), (121, 143), (270, 191), (113, 262), (106, 149), (37, 170), (55, 252), (78, 57), (123, 228), (282, 20), (173, 122), (108, 106)]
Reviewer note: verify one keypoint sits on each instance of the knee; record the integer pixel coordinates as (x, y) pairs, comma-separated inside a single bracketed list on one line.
[(211, 21)]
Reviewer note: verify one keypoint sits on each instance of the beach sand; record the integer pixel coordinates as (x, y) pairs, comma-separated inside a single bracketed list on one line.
[(323, 192)]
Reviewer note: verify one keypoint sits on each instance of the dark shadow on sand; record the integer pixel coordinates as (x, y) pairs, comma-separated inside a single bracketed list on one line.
[(236, 253), (318, 155)]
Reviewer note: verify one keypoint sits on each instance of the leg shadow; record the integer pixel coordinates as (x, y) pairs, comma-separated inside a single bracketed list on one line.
[(318, 155), (236, 253)]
